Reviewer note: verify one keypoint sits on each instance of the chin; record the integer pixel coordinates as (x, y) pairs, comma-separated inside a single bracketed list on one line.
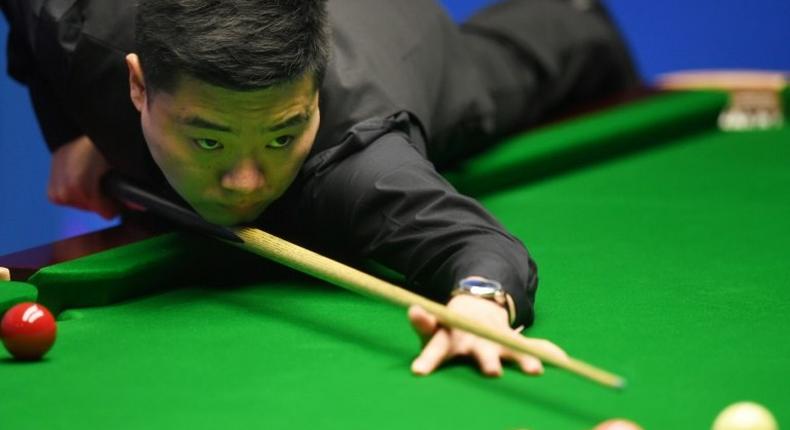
[(228, 219)]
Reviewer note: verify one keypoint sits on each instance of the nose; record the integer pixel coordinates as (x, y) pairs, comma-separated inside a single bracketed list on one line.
[(245, 177)]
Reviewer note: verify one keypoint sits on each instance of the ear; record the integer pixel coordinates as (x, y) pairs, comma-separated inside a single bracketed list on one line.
[(136, 81)]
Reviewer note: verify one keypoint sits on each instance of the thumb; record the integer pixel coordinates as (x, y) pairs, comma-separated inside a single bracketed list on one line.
[(423, 323)]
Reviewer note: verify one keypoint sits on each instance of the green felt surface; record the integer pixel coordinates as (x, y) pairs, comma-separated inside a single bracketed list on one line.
[(668, 265), (113, 275), (564, 146), (140, 268), (12, 293)]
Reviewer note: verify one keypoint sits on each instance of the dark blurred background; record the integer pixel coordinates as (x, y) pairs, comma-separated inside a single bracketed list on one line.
[(664, 36)]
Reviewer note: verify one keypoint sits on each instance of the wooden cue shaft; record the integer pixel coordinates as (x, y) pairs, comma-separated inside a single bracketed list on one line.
[(304, 260)]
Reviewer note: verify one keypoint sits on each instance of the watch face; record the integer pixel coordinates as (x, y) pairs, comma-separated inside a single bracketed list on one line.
[(480, 287)]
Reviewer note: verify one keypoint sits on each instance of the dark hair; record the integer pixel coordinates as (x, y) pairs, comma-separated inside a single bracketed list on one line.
[(235, 44)]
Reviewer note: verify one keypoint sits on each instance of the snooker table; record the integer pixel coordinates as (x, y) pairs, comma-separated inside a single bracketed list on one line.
[(663, 252)]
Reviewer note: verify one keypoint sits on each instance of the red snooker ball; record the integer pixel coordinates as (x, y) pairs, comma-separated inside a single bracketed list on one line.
[(28, 331)]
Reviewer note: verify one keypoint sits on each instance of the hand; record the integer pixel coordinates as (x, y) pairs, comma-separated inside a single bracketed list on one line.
[(441, 344), (75, 178)]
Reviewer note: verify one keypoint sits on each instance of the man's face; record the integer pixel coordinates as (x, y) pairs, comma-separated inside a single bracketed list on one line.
[(230, 154)]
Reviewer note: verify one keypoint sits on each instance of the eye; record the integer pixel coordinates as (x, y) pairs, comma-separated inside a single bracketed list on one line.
[(281, 142), (207, 144)]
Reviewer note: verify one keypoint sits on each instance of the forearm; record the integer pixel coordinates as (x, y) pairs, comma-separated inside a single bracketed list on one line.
[(387, 203), (56, 125)]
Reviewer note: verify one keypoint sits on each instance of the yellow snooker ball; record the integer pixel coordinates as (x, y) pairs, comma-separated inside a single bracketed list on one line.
[(745, 416)]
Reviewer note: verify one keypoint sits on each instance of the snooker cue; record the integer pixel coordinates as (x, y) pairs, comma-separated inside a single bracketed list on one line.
[(309, 262), (334, 272), (136, 197)]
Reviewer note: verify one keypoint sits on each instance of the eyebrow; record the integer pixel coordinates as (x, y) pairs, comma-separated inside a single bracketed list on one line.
[(198, 122), (293, 121)]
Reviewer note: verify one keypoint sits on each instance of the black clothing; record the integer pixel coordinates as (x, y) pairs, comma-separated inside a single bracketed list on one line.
[(404, 85)]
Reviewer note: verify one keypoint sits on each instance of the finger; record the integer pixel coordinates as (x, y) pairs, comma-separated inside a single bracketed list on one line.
[(55, 198), (61, 197), (52, 194), (433, 354), (69, 195), (107, 214), (527, 363), (488, 358), (548, 348), (106, 208), (462, 343), (57, 193), (423, 322), (98, 201)]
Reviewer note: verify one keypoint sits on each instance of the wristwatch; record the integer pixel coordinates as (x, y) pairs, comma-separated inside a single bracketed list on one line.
[(488, 289)]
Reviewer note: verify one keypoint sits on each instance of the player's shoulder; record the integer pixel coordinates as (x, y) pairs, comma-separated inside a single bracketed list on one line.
[(384, 27), (53, 30), (375, 144), (109, 23)]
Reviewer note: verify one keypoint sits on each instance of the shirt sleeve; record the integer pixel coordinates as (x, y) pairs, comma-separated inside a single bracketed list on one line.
[(386, 202), (57, 125)]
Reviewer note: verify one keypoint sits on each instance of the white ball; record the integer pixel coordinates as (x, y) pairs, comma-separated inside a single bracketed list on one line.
[(745, 416), (617, 424)]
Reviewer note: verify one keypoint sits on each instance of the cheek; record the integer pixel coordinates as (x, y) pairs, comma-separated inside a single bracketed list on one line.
[(154, 138), (302, 151), (298, 155), (305, 144), (172, 157)]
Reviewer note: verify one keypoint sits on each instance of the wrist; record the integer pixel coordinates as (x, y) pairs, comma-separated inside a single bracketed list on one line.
[(480, 309), (489, 290)]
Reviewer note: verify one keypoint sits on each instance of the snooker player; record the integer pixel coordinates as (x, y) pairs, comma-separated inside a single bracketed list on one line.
[(321, 122)]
